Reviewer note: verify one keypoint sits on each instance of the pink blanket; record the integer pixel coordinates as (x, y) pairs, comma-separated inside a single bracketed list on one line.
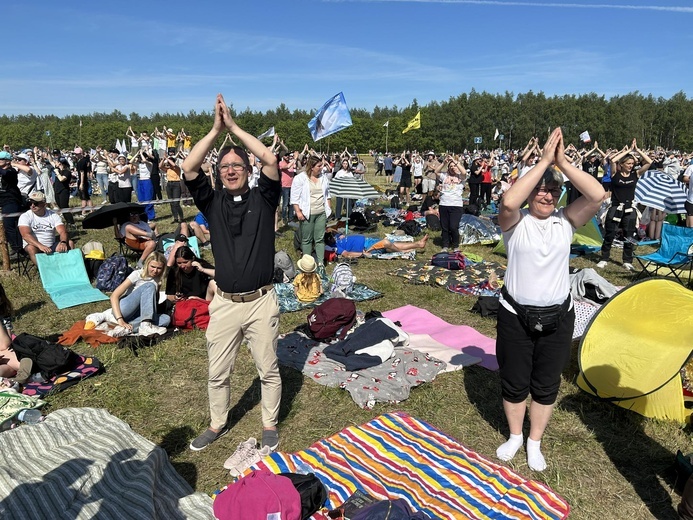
[(461, 337)]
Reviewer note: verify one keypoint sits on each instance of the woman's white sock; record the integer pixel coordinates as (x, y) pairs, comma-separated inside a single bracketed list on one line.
[(534, 457), (508, 449)]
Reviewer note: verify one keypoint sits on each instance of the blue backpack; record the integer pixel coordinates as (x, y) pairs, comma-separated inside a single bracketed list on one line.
[(112, 273)]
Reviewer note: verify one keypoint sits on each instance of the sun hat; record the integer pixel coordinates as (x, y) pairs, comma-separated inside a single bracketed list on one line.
[(306, 264), (6, 155), (77, 150), (38, 196), (24, 156)]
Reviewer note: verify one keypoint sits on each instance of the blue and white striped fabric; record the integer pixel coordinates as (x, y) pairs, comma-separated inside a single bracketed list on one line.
[(656, 189)]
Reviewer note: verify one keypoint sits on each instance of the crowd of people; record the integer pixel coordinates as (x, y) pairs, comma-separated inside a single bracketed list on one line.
[(246, 191)]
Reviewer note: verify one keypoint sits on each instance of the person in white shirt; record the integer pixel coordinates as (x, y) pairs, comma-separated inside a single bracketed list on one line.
[(536, 315), (28, 176), (38, 227)]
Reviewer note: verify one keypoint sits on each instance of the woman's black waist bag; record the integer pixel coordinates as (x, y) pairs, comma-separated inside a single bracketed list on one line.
[(538, 319)]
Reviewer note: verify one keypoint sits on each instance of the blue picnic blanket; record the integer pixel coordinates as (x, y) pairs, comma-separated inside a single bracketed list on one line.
[(65, 279)]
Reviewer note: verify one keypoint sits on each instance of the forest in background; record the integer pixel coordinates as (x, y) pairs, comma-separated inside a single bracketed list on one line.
[(450, 125)]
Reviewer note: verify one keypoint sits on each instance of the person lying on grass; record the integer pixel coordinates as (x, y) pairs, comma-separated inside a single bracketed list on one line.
[(355, 246)]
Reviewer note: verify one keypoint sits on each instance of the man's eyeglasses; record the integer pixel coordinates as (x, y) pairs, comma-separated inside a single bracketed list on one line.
[(555, 193), (237, 167), (37, 203)]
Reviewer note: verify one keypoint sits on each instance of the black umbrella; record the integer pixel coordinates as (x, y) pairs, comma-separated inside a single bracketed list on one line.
[(102, 218)]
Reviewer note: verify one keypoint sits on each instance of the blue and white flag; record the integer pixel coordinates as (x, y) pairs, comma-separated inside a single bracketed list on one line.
[(332, 117), (268, 133)]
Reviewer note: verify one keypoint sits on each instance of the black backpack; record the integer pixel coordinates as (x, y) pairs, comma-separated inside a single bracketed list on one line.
[(48, 358), (411, 228), (311, 490), (394, 202), (112, 273)]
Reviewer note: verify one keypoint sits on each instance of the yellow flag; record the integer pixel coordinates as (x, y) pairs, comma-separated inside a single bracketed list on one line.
[(414, 123)]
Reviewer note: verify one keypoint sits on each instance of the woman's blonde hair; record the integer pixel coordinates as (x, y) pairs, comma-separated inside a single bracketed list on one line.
[(154, 256)]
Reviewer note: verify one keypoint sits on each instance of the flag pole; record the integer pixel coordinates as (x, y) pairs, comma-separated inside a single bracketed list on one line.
[(387, 129)]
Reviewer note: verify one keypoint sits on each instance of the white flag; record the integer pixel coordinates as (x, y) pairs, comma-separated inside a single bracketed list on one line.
[(495, 136), (585, 137), (268, 133), (387, 123)]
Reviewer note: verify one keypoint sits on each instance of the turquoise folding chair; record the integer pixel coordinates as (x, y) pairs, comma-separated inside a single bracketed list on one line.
[(675, 254)]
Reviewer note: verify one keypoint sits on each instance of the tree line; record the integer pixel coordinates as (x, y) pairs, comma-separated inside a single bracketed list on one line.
[(452, 125)]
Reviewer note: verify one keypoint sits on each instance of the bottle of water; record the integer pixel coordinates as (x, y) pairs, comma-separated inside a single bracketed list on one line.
[(30, 416)]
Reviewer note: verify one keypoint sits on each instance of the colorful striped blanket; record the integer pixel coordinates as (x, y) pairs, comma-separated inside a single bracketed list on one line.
[(398, 456)]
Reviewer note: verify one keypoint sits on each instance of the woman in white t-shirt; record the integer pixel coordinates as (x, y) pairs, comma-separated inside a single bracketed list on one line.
[(536, 316), (451, 188), (343, 172), (134, 301)]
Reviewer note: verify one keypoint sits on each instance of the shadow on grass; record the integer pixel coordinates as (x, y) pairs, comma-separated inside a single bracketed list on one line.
[(484, 392), (30, 307), (176, 442), (641, 460), (292, 381)]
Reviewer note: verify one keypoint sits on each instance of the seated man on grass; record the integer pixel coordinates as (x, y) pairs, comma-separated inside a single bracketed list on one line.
[(138, 235), (355, 246), (38, 227)]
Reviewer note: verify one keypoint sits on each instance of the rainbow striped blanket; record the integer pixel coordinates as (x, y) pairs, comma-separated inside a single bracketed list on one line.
[(398, 456)]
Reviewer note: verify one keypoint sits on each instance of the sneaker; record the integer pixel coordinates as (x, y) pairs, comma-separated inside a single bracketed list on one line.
[(241, 452), (602, 264), (118, 331), (628, 267), (444, 250), (24, 372), (247, 459), (270, 438), (207, 438), (147, 328)]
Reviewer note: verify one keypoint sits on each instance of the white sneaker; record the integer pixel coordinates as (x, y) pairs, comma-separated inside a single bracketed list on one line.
[(602, 264), (118, 332), (147, 328), (241, 452), (251, 457), (628, 267)]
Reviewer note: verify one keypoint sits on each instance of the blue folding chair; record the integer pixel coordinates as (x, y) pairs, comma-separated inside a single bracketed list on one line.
[(675, 254)]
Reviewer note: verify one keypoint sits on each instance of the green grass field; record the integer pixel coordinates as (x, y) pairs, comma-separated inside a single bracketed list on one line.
[(607, 462)]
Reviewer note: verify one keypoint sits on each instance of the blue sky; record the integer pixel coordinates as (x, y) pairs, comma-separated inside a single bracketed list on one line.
[(74, 57)]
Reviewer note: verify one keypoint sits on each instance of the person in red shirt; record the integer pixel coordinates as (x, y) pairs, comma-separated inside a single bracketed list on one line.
[(287, 170)]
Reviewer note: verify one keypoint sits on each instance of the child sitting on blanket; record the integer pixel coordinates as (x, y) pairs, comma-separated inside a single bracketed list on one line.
[(307, 284)]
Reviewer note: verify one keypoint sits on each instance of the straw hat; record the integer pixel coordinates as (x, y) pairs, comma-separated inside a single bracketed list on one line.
[(306, 264)]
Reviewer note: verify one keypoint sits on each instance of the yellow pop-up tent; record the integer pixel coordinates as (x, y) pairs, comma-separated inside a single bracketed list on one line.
[(635, 346)]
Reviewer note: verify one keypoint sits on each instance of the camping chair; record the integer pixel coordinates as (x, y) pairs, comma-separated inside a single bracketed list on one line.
[(674, 255), (24, 264), (123, 247)]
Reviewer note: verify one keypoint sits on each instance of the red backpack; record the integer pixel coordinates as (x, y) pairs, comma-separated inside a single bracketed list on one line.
[(191, 314), (330, 316)]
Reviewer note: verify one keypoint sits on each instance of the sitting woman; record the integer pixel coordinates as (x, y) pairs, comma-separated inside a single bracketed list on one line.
[(190, 277), (307, 284), (134, 301), (137, 234)]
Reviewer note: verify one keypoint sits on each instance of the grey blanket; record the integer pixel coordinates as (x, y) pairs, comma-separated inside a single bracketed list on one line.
[(86, 463), (389, 382)]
